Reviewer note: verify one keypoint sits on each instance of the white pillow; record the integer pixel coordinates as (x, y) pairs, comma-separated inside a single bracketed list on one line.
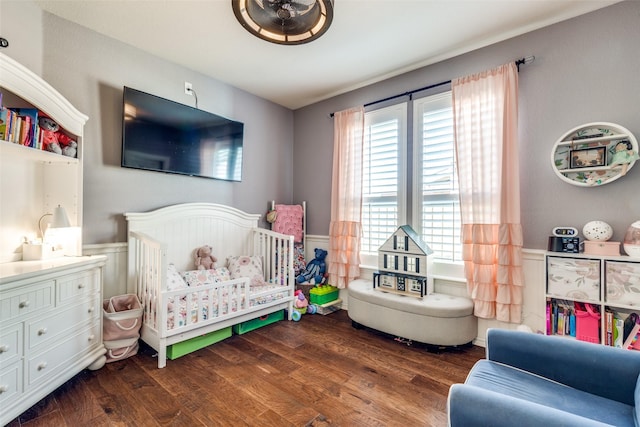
[(206, 277), (246, 266), (174, 280)]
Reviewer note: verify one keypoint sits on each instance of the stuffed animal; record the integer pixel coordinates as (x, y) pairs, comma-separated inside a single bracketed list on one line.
[(53, 139), (48, 130), (315, 269), (204, 259), (70, 150)]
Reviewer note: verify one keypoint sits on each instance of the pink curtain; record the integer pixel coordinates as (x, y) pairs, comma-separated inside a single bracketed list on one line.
[(485, 109), (345, 229)]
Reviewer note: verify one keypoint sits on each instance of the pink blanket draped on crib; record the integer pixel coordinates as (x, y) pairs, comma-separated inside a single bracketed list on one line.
[(289, 221)]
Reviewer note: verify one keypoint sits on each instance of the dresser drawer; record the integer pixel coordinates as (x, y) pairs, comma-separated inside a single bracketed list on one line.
[(622, 283), (75, 286), (574, 278), (19, 302), (10, 383), (56, 325), (10, 344), (62, 354)]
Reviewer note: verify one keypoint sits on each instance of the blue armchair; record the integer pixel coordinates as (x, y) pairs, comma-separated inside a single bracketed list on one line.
[(537, 380)]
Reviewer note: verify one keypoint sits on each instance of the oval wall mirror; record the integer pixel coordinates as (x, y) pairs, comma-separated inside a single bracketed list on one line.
[(594, 154)]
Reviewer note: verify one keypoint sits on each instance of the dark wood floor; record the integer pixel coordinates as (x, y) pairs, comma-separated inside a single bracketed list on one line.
[(316, 372)]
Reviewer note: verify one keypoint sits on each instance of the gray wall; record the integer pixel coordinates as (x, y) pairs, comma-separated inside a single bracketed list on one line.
[(90, 70), (587, 69)]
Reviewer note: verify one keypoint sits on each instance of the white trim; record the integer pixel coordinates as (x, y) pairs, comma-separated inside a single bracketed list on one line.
[(27, 85)]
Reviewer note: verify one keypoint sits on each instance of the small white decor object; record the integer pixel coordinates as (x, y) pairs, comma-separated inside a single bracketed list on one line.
[(598, 231), (632, 240)]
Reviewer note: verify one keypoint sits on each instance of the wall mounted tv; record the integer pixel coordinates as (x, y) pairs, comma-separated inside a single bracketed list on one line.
[(165, 136)]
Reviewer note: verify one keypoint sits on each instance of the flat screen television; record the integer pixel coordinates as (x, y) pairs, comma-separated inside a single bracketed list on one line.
[(165, 136)]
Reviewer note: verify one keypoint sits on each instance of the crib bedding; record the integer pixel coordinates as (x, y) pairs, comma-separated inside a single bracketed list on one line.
[(218, 294)]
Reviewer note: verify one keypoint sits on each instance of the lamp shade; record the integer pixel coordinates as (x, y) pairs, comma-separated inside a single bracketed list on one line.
[(286, 22), (60, 218)]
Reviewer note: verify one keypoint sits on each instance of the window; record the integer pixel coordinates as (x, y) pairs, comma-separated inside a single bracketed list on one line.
[(383, 192), (420, 189), (437, 211)]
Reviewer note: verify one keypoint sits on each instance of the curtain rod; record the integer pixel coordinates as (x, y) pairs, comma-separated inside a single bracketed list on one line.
[(519, 62)]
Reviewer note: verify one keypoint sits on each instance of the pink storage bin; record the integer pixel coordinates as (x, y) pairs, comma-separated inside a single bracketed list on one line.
[(587, 323)]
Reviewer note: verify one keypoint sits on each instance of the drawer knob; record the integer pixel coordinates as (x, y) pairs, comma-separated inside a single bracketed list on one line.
[(42, 331), (23, 304), (3, 388), (42, 365), (80, 285), (92, 337), (4, 348), (90, 310)]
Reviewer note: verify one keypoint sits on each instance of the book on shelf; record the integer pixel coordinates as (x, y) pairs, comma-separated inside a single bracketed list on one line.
[(4, 123), (19, 125), (608, 324), (9, 118), (29, 123), (560, 318)]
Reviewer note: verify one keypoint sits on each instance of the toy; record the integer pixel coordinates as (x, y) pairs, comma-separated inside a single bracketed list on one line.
[(70, 150), (300, 302), (315, 269), (623, 156), (204, 259), (300, 305), (595, 178), (312, 309), (53, 139), (272, 215)]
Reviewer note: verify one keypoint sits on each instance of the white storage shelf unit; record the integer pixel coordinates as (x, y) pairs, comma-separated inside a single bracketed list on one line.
[(33, 182), (609, 282), (50, 310)]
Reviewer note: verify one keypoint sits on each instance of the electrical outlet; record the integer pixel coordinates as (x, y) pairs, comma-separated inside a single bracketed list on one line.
[(188, 87)]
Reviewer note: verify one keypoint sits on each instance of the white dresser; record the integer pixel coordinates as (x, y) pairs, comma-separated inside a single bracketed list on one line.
[(50, 327)]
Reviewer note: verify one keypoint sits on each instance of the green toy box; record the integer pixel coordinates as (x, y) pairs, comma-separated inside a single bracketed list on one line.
[(196, 343), (323, 294), (250, 325)]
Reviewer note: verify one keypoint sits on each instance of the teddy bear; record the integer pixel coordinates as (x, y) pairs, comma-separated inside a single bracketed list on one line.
[(204, 259), (315, 270), (53, 139)]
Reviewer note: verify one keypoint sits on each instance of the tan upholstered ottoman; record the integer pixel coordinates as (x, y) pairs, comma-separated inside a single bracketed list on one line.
[(435, 319)]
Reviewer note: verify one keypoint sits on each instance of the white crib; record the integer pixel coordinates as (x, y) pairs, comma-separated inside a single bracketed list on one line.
[(170, 235)]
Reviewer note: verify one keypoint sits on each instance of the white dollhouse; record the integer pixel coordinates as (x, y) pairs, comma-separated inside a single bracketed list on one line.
[(403, 262)]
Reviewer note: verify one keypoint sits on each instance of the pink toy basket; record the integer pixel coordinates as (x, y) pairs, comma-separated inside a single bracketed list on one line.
[(587, 323), (121, 321)]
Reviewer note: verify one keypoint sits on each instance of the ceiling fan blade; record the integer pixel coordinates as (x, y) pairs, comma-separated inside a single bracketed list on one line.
[(284, 16)]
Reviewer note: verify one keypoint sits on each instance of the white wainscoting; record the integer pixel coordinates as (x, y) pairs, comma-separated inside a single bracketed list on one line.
[(533, 308), (115, 271)]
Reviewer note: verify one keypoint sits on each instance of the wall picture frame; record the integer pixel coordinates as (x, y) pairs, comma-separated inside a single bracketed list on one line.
[(588, 157)]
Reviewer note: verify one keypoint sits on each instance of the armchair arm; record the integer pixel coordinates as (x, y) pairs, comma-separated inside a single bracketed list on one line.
[(601, 370), (469, 406)]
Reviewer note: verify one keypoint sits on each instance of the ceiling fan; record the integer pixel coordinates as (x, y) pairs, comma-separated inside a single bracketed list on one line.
[(286, 22)]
